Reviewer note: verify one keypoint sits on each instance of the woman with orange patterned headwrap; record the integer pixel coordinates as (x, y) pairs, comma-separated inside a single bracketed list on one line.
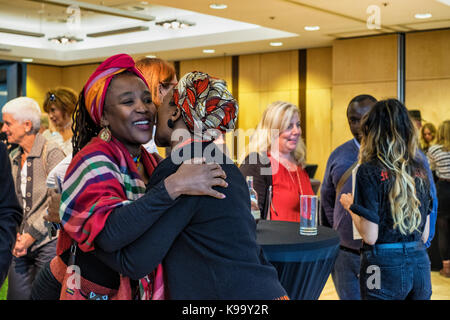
[(104, 189), (208, 246)]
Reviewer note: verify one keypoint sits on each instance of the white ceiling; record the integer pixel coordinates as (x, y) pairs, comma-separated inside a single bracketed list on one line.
[(245, 26)]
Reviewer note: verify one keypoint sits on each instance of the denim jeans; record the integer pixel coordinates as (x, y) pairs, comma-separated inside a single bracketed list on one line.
[(345, 275), (24, 269), (395, 274)]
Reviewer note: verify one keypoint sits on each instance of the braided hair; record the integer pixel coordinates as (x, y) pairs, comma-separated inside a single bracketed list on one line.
[(83, 127)]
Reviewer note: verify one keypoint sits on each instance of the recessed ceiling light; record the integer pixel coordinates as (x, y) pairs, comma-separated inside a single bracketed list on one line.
[(175, 24), (422, 15), (209, 51), (27, 60), (276, 44), (312, 28), (218, 6)]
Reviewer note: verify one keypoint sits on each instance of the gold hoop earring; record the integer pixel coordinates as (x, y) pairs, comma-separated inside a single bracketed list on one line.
[(105, 134)]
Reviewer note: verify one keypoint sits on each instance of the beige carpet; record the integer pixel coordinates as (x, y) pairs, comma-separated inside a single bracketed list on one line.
[(440, 287)]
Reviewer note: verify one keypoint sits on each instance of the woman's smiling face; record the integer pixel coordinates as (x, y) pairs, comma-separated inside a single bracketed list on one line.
[(129, 111), (288, 139)]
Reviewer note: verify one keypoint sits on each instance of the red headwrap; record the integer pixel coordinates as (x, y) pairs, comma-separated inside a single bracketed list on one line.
[(96, 86)]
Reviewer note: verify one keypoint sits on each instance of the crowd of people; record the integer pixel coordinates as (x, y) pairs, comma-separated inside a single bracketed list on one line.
[(90, 196)]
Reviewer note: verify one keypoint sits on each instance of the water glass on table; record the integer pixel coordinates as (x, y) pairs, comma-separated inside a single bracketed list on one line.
[(308, 215)]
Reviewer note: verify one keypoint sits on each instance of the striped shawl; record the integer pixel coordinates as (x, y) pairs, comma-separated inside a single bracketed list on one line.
[(101, 177)]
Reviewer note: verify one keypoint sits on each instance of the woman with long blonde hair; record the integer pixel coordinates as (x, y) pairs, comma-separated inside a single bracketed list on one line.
[(428, 136), (391, 206), (276, 160), (439, 155)]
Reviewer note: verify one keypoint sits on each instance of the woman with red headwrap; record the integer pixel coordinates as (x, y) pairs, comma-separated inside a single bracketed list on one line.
[(104, 186), (208, 246)]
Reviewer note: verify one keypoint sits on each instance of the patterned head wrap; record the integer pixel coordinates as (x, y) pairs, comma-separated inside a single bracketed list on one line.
[(205, 103), (96, 86)]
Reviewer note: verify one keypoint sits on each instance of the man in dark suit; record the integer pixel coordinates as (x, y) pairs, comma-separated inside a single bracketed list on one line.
[(10, 213)]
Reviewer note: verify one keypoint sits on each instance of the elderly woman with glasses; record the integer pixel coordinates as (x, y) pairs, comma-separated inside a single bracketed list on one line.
[(31, 162)]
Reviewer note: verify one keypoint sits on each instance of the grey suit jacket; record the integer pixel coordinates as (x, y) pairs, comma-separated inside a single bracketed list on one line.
[(35, 201)]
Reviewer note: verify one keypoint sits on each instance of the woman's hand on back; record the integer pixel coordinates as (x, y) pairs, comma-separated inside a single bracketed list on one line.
[(194, 177)]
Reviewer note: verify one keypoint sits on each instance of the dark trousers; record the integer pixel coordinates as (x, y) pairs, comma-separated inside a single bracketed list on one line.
[(443, 225), (443, 218), (23, 271), (45, 286), (345, 275)]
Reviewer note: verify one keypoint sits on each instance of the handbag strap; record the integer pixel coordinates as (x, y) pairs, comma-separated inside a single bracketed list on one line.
[(344, 178)]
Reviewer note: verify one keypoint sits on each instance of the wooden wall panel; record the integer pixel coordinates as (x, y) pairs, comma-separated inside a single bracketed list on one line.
[(319, 68), (369, 59), (263, 79), (361, 66), (318, 106), (432, 97), (40, 79), (217, 67), (269, 77), (428, 74), (75, 77), (249, 73), (428, 55), (279, 71)]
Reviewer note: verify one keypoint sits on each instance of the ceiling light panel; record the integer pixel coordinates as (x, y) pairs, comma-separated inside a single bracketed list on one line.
[(117, 31), (218, 6), (423, 15), (312, 28), (276, 44)]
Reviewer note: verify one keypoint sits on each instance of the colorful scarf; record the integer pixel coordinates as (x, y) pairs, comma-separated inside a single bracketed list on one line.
[(101, 177), (98, 82), (205, 103)]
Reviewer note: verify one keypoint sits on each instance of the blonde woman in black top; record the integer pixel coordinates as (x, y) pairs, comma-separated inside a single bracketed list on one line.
[(391, 207)]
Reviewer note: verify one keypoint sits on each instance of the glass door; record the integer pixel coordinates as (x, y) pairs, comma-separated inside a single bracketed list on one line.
[(12, 81)]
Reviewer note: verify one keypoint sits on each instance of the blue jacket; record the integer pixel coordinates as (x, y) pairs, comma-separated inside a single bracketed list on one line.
[(339, 161), (10, 213)]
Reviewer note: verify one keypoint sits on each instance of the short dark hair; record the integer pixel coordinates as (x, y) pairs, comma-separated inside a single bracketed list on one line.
[(361, 98)]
